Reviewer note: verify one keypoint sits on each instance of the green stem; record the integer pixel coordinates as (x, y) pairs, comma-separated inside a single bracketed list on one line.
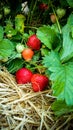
[(32, 11), (29, 14), (57, 22), (31, 27), (56, 19)]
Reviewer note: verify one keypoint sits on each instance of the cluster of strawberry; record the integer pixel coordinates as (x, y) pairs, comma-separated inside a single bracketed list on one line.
[(39, 82), (24, 75), (33, 44)]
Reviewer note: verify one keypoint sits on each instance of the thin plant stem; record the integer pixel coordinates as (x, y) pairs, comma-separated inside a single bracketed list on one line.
[(29, 14), (56, 18), (32, 11), (30, 27)]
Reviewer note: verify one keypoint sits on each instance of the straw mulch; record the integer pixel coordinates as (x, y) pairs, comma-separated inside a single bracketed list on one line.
[(22, 109)]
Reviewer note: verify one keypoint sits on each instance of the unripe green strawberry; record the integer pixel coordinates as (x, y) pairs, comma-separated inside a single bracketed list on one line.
[(6, 10), (19, 47), (60, 12)]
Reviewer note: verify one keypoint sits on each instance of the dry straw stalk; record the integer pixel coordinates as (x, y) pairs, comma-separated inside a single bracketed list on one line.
[(22, 109)]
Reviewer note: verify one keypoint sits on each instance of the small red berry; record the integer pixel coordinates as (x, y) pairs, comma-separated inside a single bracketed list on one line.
[(33, 42), (39, 82), (43, 6), (23, 76)]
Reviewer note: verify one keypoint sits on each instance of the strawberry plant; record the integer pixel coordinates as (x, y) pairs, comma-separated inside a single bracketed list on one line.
[(60, 68), (37, 47)]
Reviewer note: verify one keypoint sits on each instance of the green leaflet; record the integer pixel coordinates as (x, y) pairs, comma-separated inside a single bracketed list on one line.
[(67, 51), (1, 33), (48, 36), (60, 108), (45, 1), (14, 65), (70, 20), (6, 48), (9, 30), (52, 62), (70, 2), (62, 77), (72, 32)]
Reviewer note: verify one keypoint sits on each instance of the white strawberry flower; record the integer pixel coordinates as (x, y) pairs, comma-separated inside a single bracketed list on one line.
[(25, 8)]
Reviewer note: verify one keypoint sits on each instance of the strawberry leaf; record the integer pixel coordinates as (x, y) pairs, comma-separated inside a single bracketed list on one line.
[(67, 51), (70, 2), (60, 108), (45, 1), (61, 77), (6, 48), (70, 20), (14, 65), (48, 36), (1, 33)]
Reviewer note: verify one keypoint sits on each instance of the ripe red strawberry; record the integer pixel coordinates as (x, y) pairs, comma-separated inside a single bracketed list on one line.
[(23, 76), (43, 6), (34, 42), (39, 82)]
